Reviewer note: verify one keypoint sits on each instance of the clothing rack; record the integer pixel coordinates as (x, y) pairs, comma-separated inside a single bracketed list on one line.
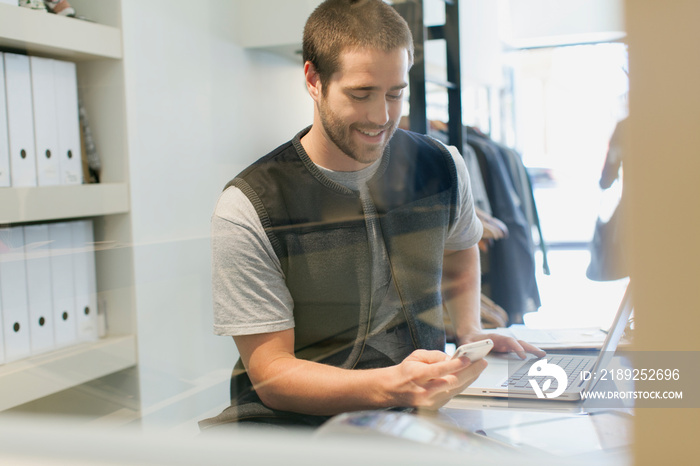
[(508, 268)]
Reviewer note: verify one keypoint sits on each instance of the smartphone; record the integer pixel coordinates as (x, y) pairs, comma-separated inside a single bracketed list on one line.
[(474, 351)]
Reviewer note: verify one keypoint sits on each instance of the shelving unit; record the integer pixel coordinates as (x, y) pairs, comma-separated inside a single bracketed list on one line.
[(97, 50), (419, 78)]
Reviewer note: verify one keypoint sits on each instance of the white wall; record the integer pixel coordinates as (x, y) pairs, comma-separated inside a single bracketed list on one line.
[(480, 43), (487, 27), (535, 23), (272, 23), (199, 109)]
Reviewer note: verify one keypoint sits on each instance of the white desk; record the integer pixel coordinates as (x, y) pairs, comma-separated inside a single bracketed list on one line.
[(529, 430), (591, 429)]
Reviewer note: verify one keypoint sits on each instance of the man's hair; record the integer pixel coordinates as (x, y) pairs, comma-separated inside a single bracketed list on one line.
[(337, 25)]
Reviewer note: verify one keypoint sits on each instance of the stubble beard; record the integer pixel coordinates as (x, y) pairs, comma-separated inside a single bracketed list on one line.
[(341, 135)]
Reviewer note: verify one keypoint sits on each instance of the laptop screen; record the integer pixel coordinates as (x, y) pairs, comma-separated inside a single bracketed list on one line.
[(617, 330)]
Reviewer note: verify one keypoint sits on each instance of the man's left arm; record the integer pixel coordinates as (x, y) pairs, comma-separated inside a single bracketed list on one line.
[(461, 272), (461, 289)]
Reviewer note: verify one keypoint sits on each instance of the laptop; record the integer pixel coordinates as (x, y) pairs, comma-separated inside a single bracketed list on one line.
[(556, 376)]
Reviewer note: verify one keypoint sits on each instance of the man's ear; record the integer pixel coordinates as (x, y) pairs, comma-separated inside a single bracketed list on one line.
[(313, 80)]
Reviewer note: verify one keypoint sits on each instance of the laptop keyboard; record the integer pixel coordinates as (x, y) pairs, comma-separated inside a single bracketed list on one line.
[(572, 365)]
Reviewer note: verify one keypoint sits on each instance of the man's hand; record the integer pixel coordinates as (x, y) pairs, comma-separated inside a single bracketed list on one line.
[(427, 379), (462, 295), (505, 344)]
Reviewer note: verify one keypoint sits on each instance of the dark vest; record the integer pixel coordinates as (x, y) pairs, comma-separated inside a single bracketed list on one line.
[(317, 229)]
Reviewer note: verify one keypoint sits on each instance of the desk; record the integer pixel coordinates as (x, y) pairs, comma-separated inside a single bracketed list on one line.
[(593, 429), (563, 431), (493, 435)]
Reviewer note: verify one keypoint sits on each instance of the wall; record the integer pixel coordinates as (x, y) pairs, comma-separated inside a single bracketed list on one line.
[(536, 23), (661, 174), (489, 27), (480, 43), (199, 109), (283, 28)]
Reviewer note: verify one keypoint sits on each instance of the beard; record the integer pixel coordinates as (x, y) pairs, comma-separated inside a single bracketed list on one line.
[(342, 135)]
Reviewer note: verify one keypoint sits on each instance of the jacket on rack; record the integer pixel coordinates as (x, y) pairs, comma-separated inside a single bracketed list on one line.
[(511, 273)]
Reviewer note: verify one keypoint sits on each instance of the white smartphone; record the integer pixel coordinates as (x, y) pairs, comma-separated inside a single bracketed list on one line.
[(474, 351)]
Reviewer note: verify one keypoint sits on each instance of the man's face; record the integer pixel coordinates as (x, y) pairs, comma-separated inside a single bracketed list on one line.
[(361, 106)]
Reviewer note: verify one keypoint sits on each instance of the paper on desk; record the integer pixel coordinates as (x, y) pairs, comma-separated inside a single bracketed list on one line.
[(559, 338)]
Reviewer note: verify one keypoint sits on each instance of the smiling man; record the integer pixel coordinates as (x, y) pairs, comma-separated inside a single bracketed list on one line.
[(358, 114), (335, 255)]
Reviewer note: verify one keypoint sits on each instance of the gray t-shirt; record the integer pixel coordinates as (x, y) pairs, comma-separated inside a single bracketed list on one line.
[(249, 290)]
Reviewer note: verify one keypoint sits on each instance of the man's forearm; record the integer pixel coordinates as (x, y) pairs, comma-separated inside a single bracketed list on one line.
[(307, 387), (462, 290), (424, 379), (290, 384)]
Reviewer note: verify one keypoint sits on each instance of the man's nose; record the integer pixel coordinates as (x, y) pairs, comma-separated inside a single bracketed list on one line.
[(379, 112)]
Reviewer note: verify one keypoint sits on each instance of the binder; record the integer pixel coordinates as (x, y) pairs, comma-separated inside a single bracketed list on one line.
[(20, 122), (85, 280), (4, 145), (13, 293), (36, 240), (66, 92), (45, 121), (62, 284)]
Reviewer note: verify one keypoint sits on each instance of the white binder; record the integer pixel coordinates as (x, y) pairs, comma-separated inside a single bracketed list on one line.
[(66, 85), (85, 280), (36, 240), (64, 319), (20, 123), (13, 292), (45, 121), (4, 145)]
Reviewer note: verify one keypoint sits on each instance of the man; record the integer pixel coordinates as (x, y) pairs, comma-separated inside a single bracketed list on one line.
[(338, 250)]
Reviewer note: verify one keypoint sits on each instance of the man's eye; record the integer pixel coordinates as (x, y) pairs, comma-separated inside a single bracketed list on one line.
[(359, 98), (394, 96)]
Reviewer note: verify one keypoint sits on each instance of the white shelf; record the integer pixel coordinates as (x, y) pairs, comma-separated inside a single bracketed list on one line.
[(98, 50), (39, 376), (18, 205), (42, 33), (280, 33)]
